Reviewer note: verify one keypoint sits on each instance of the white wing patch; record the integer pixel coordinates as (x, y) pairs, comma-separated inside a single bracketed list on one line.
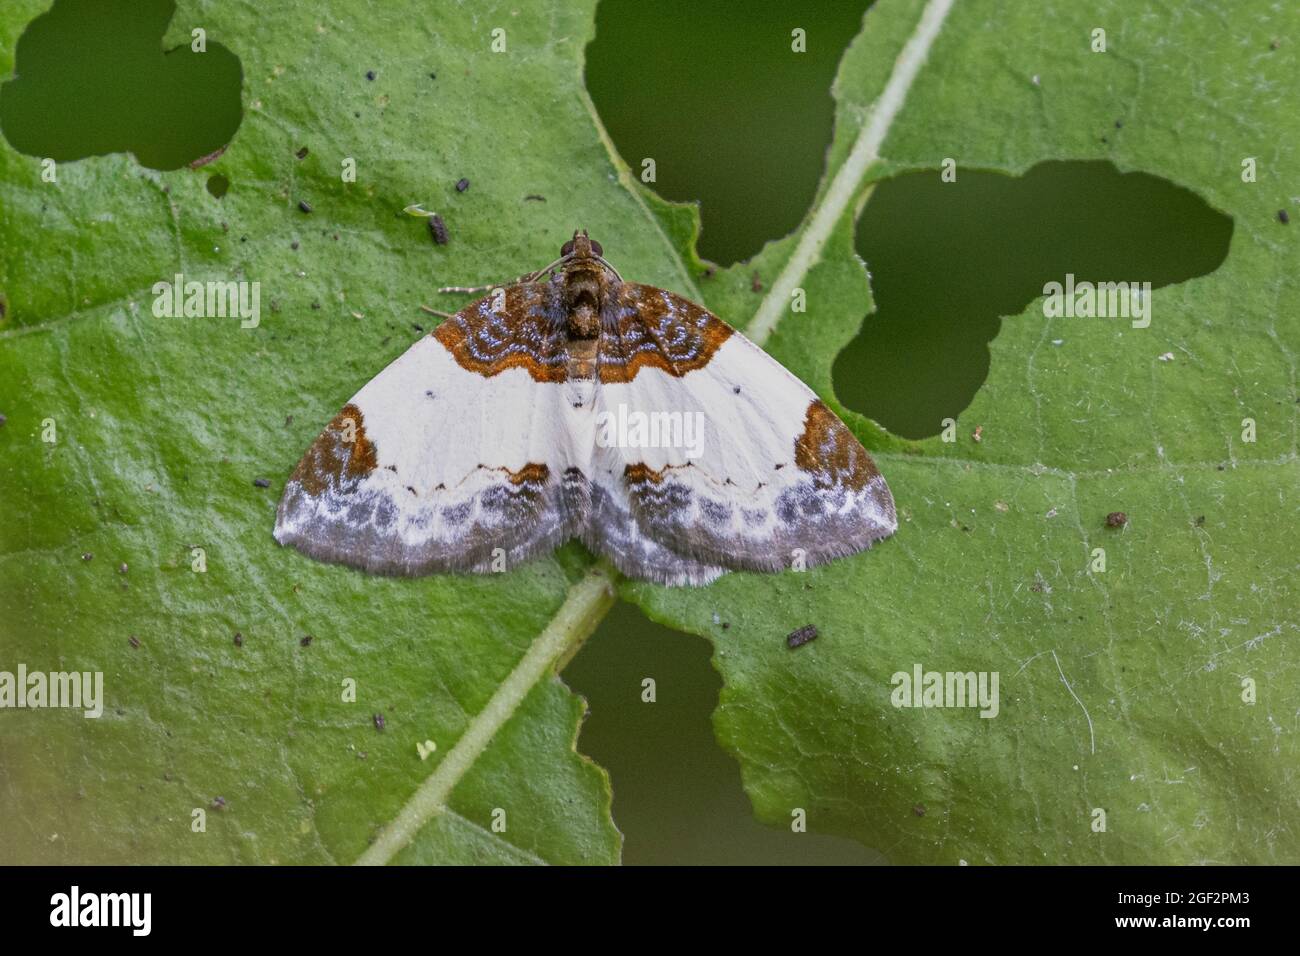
[(431, 467), (776, 482)]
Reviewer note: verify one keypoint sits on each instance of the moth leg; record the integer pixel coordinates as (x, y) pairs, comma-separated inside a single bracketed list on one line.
[(438, 312), (475, 289)]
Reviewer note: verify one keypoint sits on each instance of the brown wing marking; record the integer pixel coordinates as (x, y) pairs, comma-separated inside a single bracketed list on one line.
[(527, 332), (642, 326)]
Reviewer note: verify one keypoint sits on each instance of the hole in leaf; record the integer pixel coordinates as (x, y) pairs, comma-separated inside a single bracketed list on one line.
[(716, 95), (218, 185), (678, 797), (91, 77), (947, 260)]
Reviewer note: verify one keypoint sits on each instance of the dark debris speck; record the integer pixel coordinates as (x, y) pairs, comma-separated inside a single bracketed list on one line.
[(802, 636), (1116, 519), (462, 185), (304, 205), (438, 229), (306, 640), (262, 482)]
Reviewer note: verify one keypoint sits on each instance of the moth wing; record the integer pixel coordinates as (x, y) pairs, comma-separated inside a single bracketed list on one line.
[(756, 472), (460, 447)]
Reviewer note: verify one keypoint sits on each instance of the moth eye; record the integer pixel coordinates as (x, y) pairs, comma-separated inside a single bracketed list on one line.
[(595, 247), (567, 248)]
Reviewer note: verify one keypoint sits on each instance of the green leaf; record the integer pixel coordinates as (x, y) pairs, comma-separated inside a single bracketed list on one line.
[(1121, 690)]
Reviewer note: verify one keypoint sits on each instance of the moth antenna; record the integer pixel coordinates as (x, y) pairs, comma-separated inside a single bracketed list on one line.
[(438, 312), (603, 262), (534, 276)]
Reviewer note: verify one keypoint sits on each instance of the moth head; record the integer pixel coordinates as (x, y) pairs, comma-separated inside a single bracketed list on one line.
[(581, 247)]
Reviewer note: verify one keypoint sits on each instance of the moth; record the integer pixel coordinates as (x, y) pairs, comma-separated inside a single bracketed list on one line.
[(575, 404)]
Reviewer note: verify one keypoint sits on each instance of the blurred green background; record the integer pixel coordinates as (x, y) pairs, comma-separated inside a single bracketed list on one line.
[(740, 123)]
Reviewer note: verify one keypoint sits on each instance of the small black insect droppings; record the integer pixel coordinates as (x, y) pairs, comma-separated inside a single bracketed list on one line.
[(294, 245), (379, 722), (370, 74), (919, 809), (262, 482), (218, 803), (304, 205), (1200, 521), (433, 76), (1116, 519), (1223, 467), (802, 636), (1119, 124), (1283, 216), (736, 389), (302, 153), (239, 639), (134, 641), (462, 185), (534, 197), (418, 328), (438, 229), (726, 625), (87, 555), (306, 640), (288, 419), (315, 305)]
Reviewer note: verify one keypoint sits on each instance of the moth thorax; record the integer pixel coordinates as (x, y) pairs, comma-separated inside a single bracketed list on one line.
[(583, 292), (584, 321)]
